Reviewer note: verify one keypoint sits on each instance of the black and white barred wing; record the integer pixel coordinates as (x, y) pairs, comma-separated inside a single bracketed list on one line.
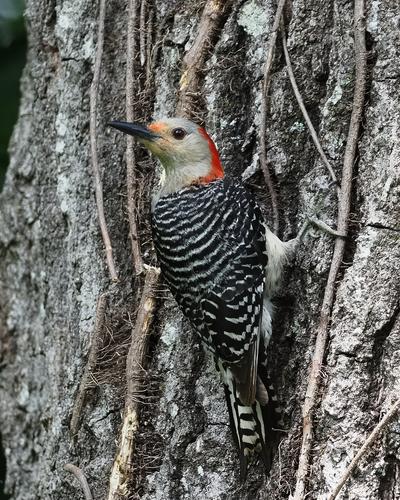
[(232, 308)]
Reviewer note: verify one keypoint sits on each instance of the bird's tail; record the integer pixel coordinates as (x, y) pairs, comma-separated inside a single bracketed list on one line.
[(252, 426)]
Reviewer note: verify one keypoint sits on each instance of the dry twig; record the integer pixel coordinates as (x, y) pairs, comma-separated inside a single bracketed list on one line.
[(364, 448), (263, 147), (342, 226), (94, 90), (130, 154), (142, 32), (122, 468), (149, 47), (306, 116), (95, 347), (80, 476), (196, 56), (121, 473)]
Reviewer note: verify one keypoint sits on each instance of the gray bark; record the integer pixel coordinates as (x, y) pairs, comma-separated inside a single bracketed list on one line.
[(52, 265)]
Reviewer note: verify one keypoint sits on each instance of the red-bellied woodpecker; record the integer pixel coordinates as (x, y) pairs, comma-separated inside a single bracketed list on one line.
[(222, 265)]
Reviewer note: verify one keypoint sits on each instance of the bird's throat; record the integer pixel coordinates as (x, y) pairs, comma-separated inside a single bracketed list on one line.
[(177, 178)]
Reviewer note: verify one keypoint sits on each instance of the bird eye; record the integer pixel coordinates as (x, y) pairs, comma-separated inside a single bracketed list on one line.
[(178, 133)]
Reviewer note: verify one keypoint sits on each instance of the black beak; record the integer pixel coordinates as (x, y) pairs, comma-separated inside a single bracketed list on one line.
[(136, 129)]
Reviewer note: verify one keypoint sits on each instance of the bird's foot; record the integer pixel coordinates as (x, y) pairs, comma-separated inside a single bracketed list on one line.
[(312, 222)]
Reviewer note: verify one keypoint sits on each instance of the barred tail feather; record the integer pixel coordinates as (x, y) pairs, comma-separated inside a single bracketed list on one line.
[(251, 425)]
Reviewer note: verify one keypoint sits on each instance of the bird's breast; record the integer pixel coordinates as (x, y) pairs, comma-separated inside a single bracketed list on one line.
[(187, 237)]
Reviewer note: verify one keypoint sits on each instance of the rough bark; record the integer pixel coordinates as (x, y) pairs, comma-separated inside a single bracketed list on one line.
[(52, 262)]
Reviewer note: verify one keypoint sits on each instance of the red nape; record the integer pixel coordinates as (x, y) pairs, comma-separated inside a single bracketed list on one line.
[(217, 171)]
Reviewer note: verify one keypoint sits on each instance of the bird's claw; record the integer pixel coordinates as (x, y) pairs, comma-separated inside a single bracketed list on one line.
[(319, 224)]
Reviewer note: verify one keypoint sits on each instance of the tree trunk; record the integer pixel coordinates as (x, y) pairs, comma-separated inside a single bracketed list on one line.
[(53, 269)]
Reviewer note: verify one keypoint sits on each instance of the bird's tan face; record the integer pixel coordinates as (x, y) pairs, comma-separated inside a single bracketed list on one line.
[(185, 150), (177, 144)]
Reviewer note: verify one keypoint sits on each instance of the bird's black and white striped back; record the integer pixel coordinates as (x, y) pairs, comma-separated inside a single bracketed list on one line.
[(210, 242)]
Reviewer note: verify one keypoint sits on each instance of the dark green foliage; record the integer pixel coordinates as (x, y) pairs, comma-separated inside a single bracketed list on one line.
[(12, 60)]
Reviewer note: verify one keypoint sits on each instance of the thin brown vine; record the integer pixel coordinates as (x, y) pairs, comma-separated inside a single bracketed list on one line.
[(342, 226), (94, 90), (264, 107), (365, 447)]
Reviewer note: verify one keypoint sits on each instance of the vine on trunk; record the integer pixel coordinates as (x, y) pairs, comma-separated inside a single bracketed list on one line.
[(122, 469), (94, 90), (264, 107), (342, 226), (365, 447)]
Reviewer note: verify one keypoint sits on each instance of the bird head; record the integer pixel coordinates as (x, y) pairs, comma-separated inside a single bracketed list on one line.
[(186, 152)]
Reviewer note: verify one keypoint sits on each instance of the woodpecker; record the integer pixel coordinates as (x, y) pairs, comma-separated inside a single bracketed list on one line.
[(222, 265)]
